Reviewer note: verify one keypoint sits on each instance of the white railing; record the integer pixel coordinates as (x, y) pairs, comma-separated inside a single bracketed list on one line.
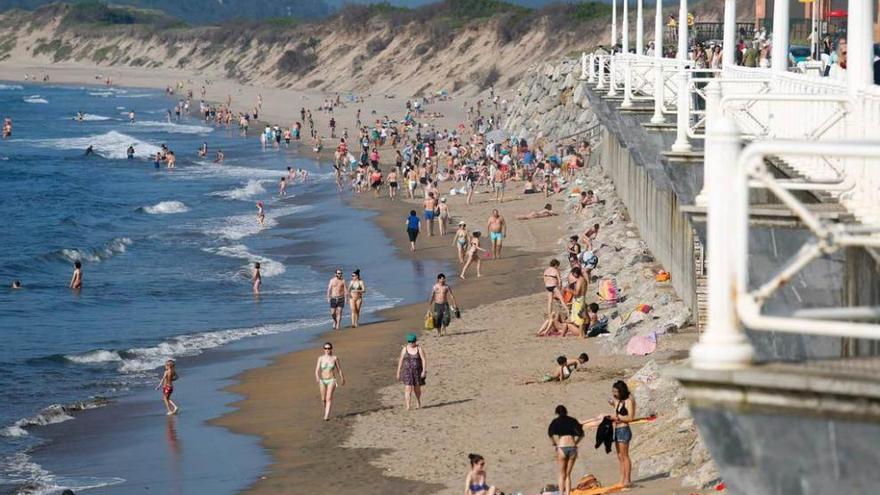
[(826, 131)]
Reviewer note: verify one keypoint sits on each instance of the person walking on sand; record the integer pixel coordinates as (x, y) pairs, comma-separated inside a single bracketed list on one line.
[(460, 241), (430, 212), (336, 298), (498, 182), (325, 374), (413, 225), (472, 255), (76, 280), (565, 433), (443, 214), (438, 304), (392, 184), (497, 228), (412, 368), (169, 376), (257, 279), (552, 282), (475, 481), (356, 289)]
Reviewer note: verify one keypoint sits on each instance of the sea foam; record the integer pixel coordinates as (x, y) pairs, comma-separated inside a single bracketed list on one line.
[(268, 267), (172, 127), (112, 248), (252, 188), (35, 99), (111, 144), (165, 208)]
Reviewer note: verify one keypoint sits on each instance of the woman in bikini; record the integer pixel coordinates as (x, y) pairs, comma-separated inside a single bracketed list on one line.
[(624, 411), (565, 432), (167, 386), (460, 241), (475, 481), (473, 254), (325, 373), (356, 289), (552, 281), (444, 215)]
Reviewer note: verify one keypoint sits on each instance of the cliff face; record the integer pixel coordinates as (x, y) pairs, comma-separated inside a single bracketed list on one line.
[(376, 55)]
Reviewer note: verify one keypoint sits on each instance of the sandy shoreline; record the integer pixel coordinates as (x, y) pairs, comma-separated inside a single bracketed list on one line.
[(474, 399)]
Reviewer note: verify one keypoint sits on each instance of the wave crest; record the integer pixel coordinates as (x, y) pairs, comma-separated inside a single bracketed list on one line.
[(112, 248), (165, 208)]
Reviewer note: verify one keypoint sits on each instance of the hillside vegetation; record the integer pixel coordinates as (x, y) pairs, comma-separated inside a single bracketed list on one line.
[(455, 45), (460, 46)]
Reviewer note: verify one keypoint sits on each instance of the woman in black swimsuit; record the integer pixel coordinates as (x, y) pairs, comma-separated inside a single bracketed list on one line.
[(624, 412)]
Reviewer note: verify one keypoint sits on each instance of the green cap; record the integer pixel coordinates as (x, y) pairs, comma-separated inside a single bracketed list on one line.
[(411, 337)]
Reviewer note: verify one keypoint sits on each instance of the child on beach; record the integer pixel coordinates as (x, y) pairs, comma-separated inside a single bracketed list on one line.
[(257, 279), (167, 386)]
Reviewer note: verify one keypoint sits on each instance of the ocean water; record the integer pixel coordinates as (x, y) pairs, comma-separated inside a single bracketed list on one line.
[(166, 261)]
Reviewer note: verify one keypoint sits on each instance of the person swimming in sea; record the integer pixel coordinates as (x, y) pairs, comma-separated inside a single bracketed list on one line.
[(220, 156), (131, 117), (203, 150), (257, 278), (16, 284), (79, 116), (130, 152), (76, 278), (169, 376), (261, 214), (90, 150)]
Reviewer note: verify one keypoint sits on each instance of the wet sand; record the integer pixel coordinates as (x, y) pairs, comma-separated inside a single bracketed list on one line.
[(281, 402)]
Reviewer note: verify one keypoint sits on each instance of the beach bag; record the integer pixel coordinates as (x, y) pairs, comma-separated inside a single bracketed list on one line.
[(662, 276), (567, 296), (587, 482), (429, 321), (599, 328)]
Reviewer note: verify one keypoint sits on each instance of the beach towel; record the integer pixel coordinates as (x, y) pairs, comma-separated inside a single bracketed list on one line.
[(642, 345), (608, 292), (600, 490)]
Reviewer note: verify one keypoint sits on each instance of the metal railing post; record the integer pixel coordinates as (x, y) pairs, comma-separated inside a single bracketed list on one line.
[(659, 81), (682, 144), (591, 69), (627, 82), (713, 112), (612, 75), (724, 344)]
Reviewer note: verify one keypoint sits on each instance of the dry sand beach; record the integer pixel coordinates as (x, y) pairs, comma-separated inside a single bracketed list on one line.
[(474, 400)]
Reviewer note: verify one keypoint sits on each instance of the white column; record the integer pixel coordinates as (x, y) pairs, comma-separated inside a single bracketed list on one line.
[(640, 29), (627, 82), (724, 344), (713, 113), (682, 145), (729, 43), (779, 52), (625, 26), (613, 23), (583, 66), (859, 43), (591, 69), (600, 84), (659, 81), (613, 67)]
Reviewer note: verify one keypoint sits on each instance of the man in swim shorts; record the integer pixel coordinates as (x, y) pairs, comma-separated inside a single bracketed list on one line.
[(438, 304), (430, 212), (336, 298), (497, 228)]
